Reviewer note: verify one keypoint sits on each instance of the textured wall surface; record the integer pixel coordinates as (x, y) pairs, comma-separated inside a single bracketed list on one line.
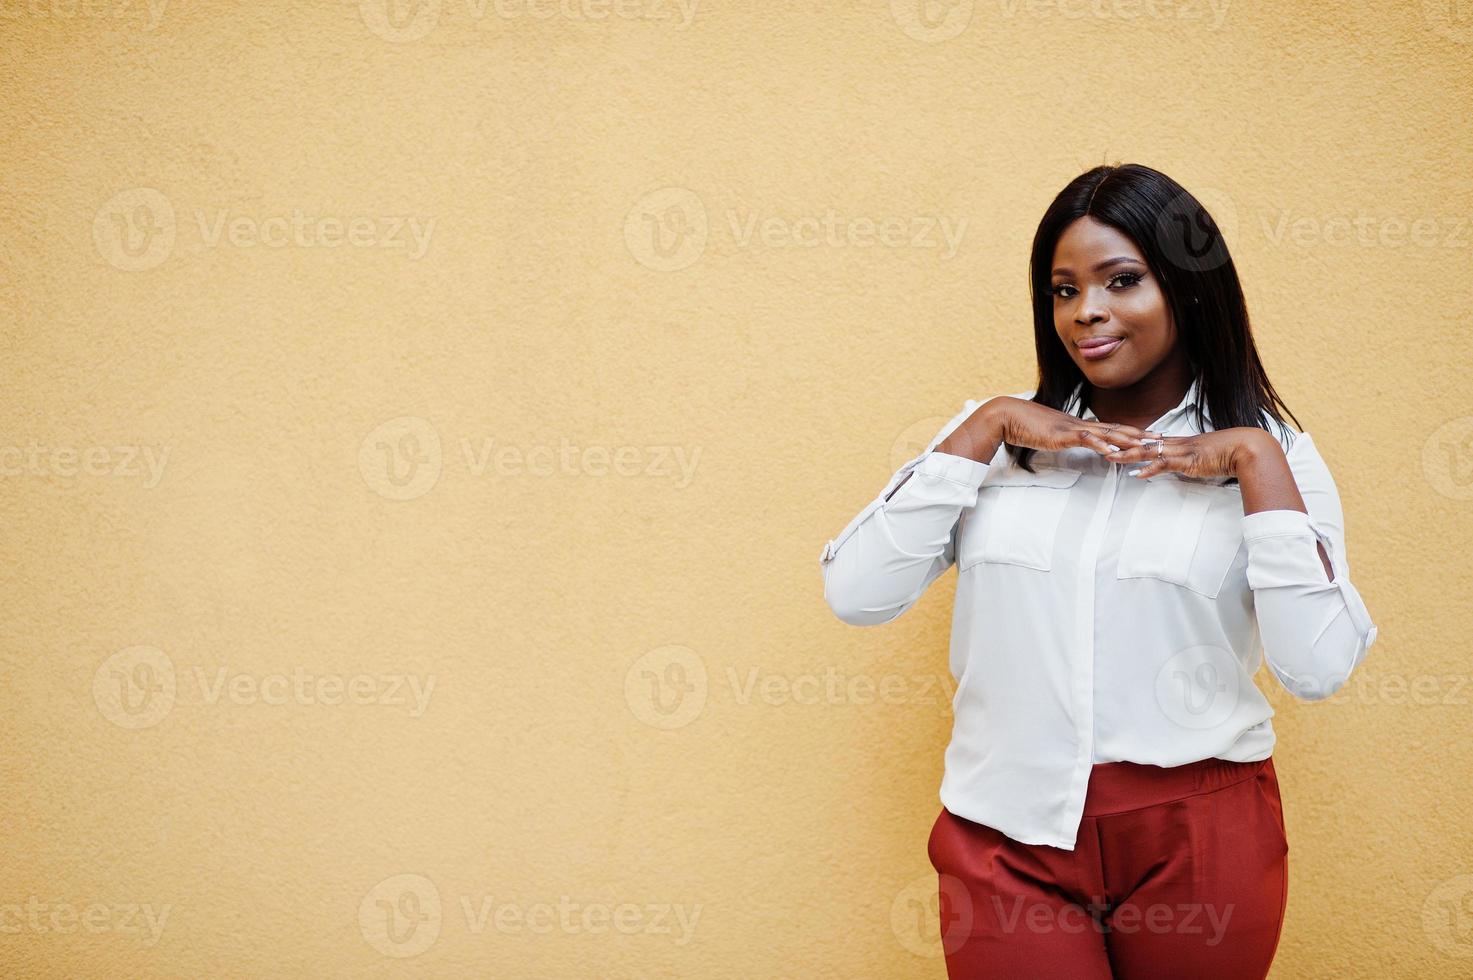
[(422, 420)]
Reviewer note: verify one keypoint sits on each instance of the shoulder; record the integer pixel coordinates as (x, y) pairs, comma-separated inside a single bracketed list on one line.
[(972, 404), (1021, 395), (1288, 436), (1311, 472), (968, 407)]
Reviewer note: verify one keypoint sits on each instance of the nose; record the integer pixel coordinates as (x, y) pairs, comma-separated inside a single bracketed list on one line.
[(1091, 307)]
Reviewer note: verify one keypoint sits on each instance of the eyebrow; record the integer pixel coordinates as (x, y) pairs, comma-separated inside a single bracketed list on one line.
[(1061, 271)]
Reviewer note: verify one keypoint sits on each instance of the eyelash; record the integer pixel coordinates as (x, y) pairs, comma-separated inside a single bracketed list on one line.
[(1119, 275)]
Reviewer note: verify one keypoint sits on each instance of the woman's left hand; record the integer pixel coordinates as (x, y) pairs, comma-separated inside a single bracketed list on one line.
[(1208, 454)]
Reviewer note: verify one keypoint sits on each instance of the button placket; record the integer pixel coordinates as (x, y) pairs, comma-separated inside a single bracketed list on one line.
[(1085, 626)]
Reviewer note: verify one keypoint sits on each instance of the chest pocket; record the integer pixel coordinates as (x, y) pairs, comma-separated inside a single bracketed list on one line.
[(1016, 518), (1184, 533)]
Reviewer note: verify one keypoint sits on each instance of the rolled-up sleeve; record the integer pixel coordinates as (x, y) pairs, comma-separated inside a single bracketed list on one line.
[(905, 538), (1315, 632)]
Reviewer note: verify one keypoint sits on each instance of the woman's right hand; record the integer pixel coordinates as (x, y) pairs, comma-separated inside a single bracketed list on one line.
[(1034, 426), (1025, 423)]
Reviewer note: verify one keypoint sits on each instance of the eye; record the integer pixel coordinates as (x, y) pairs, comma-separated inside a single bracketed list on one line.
[(1129, 279)]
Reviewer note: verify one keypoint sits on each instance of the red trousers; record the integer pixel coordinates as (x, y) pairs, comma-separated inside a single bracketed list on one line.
[(1179, 872)]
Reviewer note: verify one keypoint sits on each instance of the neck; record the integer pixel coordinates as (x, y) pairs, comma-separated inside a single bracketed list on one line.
[(1145, 401)]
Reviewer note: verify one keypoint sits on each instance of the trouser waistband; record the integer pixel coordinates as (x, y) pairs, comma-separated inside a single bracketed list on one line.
[(1115, 787)]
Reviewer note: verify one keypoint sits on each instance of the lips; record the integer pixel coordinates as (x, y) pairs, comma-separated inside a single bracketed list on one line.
[(1094, 348)]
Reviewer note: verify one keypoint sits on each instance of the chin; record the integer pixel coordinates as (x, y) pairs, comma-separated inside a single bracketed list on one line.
[(1102, 377)]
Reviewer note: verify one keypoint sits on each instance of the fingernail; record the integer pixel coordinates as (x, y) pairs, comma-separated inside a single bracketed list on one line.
[(1135, 472)]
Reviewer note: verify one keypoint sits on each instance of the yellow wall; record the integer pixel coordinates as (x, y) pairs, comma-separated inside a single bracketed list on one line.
[(258, 460)]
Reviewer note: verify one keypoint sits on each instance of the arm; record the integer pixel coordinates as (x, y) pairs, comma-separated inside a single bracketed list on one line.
[(1314, 626), (902, 541)]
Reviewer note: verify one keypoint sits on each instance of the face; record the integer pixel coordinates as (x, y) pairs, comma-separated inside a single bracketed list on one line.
[(1103, 288)]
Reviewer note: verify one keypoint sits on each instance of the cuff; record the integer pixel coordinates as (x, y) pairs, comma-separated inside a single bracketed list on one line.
[(958, 469), (1295, 523), (1271, 523)]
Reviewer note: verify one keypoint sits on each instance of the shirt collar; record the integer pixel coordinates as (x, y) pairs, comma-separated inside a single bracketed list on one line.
[(1181, 413)]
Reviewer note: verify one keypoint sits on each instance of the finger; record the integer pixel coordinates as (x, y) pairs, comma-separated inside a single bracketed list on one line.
[(1128, 432), (1152, 466), (1095, 441), (1143, 453), (1103, 444), (1112, 429), (1110, 438)]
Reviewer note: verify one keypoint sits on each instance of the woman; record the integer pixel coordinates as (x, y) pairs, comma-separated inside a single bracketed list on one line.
[(1131, 538)]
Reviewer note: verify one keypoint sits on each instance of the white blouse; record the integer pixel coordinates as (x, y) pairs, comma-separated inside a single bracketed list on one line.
[(1102, 617)]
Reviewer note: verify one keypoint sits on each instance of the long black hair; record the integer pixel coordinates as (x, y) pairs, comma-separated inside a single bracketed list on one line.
[(1185, 250)]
